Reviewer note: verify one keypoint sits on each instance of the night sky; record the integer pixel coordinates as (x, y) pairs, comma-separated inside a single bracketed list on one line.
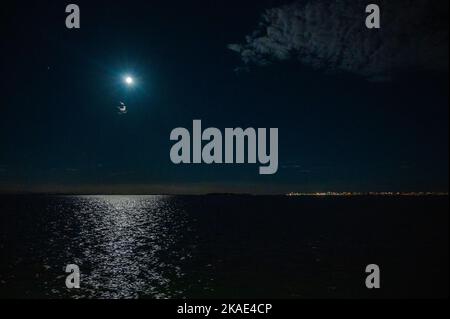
[(349, 119)]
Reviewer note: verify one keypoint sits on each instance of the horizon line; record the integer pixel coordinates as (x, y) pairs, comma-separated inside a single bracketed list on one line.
[(289, 194)]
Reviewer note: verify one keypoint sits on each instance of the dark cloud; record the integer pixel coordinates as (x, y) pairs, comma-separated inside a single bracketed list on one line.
[(332, 36)]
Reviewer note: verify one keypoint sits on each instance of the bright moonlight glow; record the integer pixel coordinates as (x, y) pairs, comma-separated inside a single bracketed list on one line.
[(129, 80)]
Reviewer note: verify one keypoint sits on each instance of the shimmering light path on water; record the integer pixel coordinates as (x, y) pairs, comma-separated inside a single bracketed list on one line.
[(222, 246)]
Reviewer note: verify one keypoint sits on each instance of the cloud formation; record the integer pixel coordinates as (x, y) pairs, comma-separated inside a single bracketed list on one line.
[(332, 36)]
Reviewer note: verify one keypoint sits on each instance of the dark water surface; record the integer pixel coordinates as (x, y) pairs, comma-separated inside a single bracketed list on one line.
[(222, 246)]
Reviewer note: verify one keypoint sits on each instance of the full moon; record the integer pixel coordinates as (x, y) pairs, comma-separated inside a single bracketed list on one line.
[(129, 80)]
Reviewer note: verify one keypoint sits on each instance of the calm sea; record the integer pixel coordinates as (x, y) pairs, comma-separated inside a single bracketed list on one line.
[(222, 246)]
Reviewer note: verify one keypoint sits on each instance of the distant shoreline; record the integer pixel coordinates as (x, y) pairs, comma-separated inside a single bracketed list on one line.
[(316, 195), (369, 194)]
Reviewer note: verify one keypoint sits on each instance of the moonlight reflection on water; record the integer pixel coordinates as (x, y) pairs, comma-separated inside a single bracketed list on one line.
[(127, 246), (230, 247)]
